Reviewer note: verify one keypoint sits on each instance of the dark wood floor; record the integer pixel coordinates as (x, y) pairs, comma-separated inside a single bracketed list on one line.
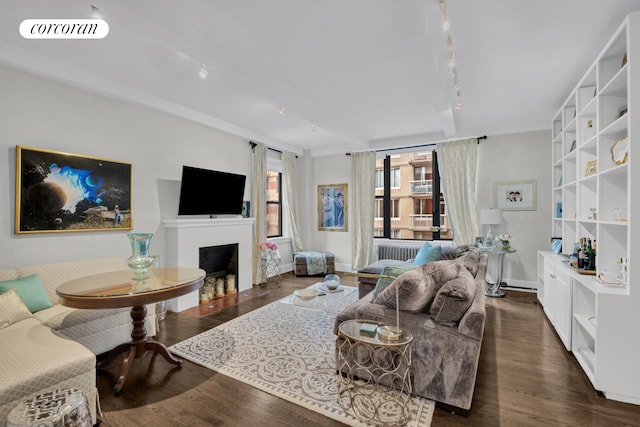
[(525, 377)]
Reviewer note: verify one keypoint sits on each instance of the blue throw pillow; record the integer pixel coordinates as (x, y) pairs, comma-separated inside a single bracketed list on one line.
[(427, 254), (30, 291)]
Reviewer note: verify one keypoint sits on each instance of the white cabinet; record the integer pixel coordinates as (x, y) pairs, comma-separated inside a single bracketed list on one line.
[(557, 300), (594, 135)]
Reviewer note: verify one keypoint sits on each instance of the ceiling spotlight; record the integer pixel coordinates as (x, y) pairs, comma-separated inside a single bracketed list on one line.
[(95, 12), (281, 110), (313, 128), (202, 72)]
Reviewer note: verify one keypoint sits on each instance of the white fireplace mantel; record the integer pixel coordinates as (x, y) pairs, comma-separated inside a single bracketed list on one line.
[(184, 238)]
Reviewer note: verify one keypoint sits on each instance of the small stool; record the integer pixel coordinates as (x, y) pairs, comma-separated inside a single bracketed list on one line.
[(300, 263), (63, 407)]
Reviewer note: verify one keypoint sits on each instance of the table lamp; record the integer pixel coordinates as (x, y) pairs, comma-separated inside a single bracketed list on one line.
[(490, 217)]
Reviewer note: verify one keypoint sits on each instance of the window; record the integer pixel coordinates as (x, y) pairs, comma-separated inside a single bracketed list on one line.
[(411, 199), (379, 178), (395, 178), (379, 209), (395, 209), (274, 203)]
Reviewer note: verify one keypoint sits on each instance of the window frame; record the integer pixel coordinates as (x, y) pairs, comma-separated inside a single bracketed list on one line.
[(274, 202)]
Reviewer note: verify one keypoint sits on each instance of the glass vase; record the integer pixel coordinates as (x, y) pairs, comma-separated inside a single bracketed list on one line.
[(140, 261), (506, 246)]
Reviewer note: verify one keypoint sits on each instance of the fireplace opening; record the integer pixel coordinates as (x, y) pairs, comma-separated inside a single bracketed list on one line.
[(220, 262)]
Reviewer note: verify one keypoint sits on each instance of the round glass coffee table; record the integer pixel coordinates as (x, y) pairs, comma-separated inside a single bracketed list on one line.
[(375, 383)]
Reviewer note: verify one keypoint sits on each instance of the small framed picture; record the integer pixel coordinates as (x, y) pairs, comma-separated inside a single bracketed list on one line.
[(592, 168), (515, 195), (556, 245)]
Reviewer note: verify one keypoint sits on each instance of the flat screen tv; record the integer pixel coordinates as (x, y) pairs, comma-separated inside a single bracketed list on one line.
[(209, 192)]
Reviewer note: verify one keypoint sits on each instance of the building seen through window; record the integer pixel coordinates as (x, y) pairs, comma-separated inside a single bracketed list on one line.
[(413, 210), (274, 203)]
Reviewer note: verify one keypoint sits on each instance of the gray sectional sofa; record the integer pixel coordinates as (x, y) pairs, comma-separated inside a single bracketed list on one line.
[(442, 304)]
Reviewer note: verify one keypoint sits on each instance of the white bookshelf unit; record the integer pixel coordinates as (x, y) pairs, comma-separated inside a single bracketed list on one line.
[(593, 137)]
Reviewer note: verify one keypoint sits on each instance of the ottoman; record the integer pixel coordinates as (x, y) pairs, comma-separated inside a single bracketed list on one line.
[(300, 263), (55, 408)]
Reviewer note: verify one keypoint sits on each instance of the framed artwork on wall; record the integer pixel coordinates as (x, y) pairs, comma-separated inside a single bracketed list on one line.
[(63, 192), (332, 207), (515, 195)]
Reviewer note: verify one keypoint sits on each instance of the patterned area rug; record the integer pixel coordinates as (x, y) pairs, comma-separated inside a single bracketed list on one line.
[(287, 350)]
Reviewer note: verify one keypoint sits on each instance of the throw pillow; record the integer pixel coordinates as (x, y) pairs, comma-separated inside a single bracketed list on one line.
[(453, 299), (394, 271), (470, 260), (30, 291), (427, 254), (442, 271), (12, 309), (415, 291)]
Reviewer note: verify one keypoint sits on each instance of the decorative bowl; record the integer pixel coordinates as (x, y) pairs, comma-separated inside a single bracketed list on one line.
[(306, 294), (332, 281)]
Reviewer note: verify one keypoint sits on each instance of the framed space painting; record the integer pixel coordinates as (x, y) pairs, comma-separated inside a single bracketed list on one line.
[(63, 192)]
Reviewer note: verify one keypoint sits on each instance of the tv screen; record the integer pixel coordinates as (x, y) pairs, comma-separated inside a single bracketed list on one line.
[(209, 192)]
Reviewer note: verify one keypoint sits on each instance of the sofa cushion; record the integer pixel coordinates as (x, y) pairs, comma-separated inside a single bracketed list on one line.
[(427, 254), (394, 272), (470, 260), (378, 266), (12, 309), (30, 291), (415, 291), (453, 299)]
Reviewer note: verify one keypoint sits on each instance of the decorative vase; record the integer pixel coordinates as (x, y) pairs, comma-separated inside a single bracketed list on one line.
[(140, 261), (505, 245)]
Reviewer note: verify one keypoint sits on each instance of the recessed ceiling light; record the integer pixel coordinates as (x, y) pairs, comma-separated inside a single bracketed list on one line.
[(281, 110)]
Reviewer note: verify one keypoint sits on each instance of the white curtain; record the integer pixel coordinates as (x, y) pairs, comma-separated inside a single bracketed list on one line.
[(289, 185), (363, 173), (457, 165), (259, 205)]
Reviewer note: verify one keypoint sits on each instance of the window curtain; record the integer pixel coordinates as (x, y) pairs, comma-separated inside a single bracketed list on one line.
[(289, 180), (363, 171), (457, 165), (259, 205)]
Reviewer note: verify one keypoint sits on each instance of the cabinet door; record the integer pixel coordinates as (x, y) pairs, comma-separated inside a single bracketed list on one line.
[(557, 299), (563, 303)]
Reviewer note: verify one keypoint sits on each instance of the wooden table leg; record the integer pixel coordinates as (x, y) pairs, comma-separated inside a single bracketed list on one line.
[(138, 347)]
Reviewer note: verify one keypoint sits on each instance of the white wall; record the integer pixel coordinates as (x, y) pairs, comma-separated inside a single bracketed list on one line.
[(518, 157), (42, 114)]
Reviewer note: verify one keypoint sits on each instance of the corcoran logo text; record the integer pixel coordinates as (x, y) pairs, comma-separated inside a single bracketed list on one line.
[(64, 28)]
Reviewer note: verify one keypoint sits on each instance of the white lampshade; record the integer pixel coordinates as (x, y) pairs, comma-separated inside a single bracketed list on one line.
[(490, 216)]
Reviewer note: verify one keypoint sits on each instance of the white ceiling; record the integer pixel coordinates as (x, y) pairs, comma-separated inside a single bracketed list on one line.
[(350, 74)]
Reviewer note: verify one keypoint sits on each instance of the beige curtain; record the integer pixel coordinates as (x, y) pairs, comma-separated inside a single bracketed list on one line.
[(259, 205), (457, 164), (289, 186), (363, 170)]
